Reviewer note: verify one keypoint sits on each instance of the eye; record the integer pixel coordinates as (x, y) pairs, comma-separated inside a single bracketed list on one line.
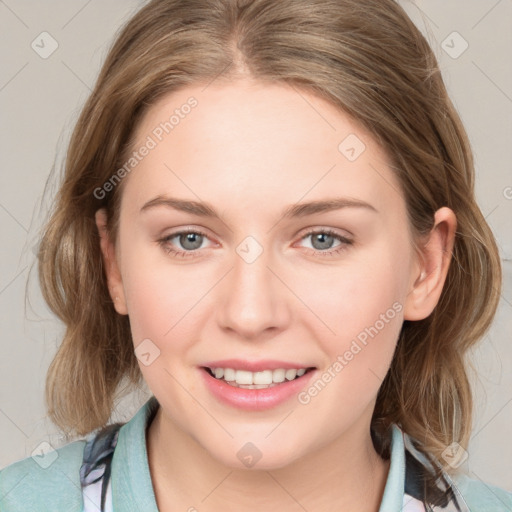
[(323, 239), (189, 240)]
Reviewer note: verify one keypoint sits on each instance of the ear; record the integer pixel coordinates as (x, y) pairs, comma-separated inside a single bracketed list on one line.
[(432, 266), (114, 280)]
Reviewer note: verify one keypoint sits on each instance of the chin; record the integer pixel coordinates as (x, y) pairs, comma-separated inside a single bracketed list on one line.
[(252, 456)]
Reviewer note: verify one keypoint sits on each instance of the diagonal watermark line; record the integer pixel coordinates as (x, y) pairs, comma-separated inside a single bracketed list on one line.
[(390, 184), (19, 19), (75, 15), (491, 212), (489, 489), (292, 86), (13, 218), (76, 75), (486, 14), (405, 504), (305, 194), (302, 301), (293, 410), (2, 498), (216, 487), (13, 279), (492, 419), (505, 299), (199, 403), (216, 76), (286, 491), (376, 376), (14, 76), (90, 501), (426, 15), (14, 423), (492, 81), (227, 227), (203, 296)]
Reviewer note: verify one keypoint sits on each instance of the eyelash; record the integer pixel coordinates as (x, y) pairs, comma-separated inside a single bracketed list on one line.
[(164, 243)]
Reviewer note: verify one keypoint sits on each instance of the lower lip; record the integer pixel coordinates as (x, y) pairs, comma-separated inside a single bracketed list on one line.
[(255, 399)]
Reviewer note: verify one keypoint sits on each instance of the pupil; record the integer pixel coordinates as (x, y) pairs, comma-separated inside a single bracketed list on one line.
[(322, 237), (188, 238)]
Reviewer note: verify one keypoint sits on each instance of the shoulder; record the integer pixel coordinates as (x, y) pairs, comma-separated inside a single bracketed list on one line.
[(46, 482), (482, 497)]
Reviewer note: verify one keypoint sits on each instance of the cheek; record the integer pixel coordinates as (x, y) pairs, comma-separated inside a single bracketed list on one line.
[(350, 297), (165, 300), (361, 321), (164, 307), (358, 316), (158, 302)]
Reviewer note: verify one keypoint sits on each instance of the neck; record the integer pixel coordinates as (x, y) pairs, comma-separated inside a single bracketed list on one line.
[(345, 475)]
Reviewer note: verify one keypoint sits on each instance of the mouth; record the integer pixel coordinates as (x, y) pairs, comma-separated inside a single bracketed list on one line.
[(256, 380)]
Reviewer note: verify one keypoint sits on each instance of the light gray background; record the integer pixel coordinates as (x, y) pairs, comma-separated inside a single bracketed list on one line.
[(39, 101)]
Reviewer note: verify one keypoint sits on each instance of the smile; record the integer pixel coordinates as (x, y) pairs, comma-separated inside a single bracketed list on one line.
[(256, 380), (255, 390)]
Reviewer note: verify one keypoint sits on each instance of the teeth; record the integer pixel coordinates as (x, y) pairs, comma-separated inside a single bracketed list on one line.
[(278, 375), (244, 377), (256, 380), (290, 374), (264, 377), (229, 374), (251, 386)]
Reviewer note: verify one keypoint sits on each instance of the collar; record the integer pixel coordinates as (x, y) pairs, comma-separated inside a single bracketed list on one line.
[(407, 489), (131, 480), (392, 498)]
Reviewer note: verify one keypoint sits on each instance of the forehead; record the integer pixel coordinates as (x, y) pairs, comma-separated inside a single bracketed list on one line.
[(247, 142)]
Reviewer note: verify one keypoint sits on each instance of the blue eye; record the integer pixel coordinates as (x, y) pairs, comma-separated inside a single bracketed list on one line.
[(191, 241), (322, 240)]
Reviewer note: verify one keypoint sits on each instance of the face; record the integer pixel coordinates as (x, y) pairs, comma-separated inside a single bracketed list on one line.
[(248, 279)]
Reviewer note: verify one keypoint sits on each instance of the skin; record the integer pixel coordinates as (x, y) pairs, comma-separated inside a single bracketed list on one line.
[(250, 150)]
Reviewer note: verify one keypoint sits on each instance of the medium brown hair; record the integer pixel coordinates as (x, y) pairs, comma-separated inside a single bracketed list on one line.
[(367, 58)]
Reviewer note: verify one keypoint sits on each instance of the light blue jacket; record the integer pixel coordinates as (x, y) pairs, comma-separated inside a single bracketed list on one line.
[(54, 482)]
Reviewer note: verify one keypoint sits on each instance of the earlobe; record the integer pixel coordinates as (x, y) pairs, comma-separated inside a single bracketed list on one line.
[(430, 273), (112, 272)]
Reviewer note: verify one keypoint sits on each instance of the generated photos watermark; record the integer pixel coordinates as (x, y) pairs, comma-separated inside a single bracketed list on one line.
[(343, 360), (157, 135)]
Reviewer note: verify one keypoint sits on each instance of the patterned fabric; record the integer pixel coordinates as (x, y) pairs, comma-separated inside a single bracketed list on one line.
[(96, 469), (423, 492)]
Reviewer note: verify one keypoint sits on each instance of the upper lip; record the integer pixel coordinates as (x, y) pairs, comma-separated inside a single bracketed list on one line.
[(254, 366)]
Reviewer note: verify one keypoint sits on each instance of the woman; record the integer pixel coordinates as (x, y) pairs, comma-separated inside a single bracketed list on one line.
[(268, 215)]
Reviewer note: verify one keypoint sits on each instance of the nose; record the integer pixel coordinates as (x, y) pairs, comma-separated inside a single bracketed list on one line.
[(254, 302)]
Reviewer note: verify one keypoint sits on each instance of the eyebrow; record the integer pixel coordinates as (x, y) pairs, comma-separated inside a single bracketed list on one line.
[(296, 210)]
